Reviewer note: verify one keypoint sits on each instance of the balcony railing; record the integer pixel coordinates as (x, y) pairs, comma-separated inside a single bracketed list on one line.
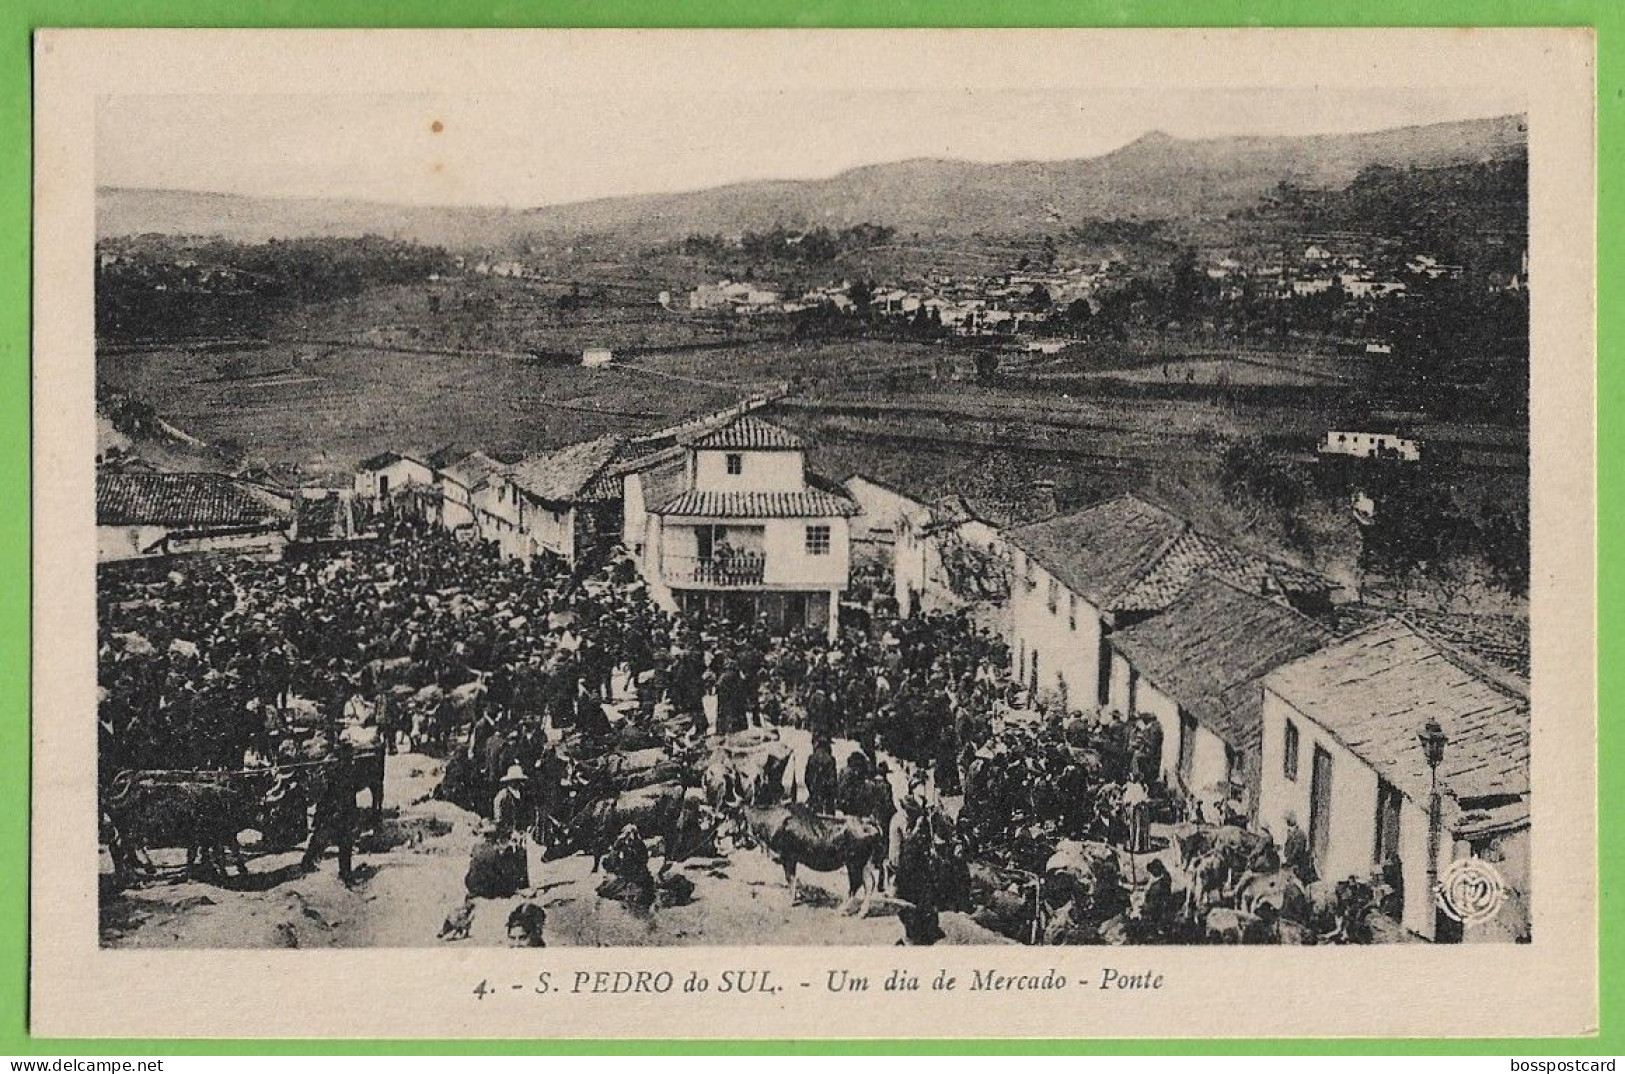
[(736, 569)]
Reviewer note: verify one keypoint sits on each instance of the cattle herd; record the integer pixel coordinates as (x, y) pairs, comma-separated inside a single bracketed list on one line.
[(572, 714)]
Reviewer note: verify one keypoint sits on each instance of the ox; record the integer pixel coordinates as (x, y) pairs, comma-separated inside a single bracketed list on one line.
[(201, 812), (678, 816), (758, 775), (824, 844)]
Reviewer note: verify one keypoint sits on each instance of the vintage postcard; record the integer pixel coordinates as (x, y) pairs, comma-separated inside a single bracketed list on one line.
[(814, 534)]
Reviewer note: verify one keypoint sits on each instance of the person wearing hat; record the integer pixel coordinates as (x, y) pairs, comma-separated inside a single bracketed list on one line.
[(508, 808)]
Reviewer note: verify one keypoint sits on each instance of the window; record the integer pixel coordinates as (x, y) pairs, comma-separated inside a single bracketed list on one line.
[(818, 540), (1072, 611), (1187, 745), (1389, 802), (1054, 596), (736, 463), (1289, 752)]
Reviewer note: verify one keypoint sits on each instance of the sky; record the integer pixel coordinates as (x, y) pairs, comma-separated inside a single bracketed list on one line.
[(523, 150)]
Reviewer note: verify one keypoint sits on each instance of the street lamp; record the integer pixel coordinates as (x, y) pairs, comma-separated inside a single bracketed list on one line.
[(1433, 740)]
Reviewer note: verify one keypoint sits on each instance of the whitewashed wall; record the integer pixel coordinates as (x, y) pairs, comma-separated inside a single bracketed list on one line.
[(761, 471)]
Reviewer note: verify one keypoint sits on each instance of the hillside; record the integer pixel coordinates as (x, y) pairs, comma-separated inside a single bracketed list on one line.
[(1155, 177)]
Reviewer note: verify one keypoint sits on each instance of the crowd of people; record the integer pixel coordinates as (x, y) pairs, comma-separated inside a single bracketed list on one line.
[(440, 643)]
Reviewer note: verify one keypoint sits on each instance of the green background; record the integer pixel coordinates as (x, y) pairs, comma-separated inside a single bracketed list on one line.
[(18, 18)]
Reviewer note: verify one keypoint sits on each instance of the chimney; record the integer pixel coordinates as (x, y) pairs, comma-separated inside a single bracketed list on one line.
[(1044, 497)]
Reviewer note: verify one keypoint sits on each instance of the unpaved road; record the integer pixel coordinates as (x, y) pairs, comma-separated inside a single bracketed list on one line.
[(411, 877)]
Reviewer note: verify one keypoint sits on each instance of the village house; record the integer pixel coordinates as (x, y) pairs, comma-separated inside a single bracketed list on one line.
[(1080, 576), (955, 554), (734, 527), (382, 476), (946, 552), (1366, 288), (875, 529), (559, 502), (143, 514), (457, 482), (727, 293), (1197, 668), (1360, 445), (1343, 753)]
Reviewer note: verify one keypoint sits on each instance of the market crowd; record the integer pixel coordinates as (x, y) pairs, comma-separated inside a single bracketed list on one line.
[(506, 667)]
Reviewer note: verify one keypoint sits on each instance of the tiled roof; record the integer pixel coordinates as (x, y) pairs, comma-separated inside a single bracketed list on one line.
[(752, 434), (1502, 640), (563, 475), (386, 458), (1100, 551), (630, 458), (1211, 647), (1129, 555), (128, 498), (1194, 553), (471, 469), (443, 456), (809, 504), (1017, 507), (1375, 691)]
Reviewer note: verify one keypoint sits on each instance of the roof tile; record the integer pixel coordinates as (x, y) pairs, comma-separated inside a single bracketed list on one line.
[(1376, 689), (1209, 650), (751, 433), (131, 498), (563, 475), (808, 504), (1101, 551)]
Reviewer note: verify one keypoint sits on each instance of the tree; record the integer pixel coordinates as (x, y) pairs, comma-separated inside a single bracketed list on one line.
[(1506, 550), (1078, 313), (862, 294)]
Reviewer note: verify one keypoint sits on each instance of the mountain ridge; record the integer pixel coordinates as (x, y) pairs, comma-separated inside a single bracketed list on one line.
[(1155, 176)]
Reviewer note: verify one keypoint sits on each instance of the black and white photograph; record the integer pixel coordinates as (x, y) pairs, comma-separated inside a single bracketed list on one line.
[(1044, 532), (658, 513)]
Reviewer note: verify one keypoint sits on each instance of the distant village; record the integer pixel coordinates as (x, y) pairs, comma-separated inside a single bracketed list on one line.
[(1009, 302)]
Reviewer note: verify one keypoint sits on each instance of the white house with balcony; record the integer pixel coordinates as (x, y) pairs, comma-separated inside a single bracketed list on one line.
[(732, 527)]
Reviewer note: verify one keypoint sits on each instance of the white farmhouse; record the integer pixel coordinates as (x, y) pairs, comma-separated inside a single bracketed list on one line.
[(1196, 668), (1078, 577), (559, 502), (141, 514), (1342, 753), (1361, 445), (382, 476), (733, 527), (457, 482)]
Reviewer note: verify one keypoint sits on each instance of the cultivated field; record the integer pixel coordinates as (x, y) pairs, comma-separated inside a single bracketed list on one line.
[(322, 408)]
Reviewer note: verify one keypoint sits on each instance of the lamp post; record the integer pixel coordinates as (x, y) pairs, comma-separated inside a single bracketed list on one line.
[(1433, 740)]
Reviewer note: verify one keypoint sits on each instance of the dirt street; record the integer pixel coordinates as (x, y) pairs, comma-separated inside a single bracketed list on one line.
[(410, 876)]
